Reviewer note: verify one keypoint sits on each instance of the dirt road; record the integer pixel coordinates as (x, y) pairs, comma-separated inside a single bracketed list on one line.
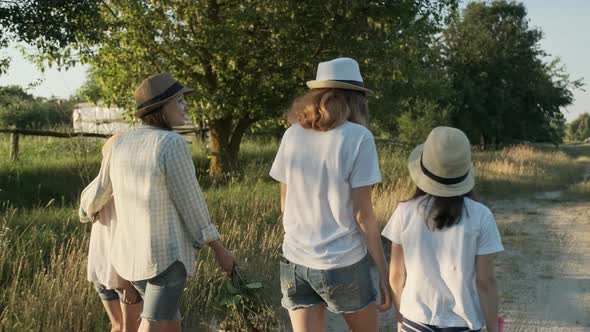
[(544, 273)]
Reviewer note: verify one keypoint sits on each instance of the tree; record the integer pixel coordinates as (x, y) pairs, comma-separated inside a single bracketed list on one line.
[(21, 110), (415, 125), (91, 90), (579, 129), (503, 89), (246, 60), (50, 25)]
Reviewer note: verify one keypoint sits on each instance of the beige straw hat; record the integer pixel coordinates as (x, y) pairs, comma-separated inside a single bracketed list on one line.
[(340, 73), (442, 165), (155, 91)]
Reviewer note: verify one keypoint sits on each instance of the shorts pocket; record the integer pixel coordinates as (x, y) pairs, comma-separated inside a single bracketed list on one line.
[(174, 275), (348, 289), (288, 282)]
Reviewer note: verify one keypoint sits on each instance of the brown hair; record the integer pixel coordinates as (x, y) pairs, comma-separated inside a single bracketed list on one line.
[(156, 118), (444, 211), (323, 109)]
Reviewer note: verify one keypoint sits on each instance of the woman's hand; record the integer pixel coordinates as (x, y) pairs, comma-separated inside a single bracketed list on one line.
[(224, 257), (226, 261)]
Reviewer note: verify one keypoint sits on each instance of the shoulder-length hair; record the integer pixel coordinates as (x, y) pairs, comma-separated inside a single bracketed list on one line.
[(323, 109), (444, 211), (157, 119)]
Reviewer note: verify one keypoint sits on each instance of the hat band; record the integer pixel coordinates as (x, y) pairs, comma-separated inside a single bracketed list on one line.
[(357, 83), (171, 91), (441, 180)]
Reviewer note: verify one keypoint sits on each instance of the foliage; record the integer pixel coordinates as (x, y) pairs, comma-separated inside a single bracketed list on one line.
[(22, 110), (243, 306), (414, 126), (49, 25), (503, 89), (91, 90), (579, 129), (246, 60)]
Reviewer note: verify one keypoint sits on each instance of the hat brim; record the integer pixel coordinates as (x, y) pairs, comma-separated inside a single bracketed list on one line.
[(432, 187), (143, 111), (336, 85)]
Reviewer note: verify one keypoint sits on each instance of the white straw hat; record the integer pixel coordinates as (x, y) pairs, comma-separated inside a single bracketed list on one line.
[(442, 165), (340, 73)]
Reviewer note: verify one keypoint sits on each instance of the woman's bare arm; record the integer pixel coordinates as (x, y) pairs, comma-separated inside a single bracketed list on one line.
[(365, 217)]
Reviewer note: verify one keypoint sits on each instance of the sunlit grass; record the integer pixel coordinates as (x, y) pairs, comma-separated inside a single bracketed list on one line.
[(43, 248)]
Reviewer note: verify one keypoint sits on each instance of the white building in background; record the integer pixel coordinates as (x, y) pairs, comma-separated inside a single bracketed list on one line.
[(97, 118)]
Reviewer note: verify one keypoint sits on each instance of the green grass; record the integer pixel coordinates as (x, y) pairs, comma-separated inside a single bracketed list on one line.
[(43, 247)]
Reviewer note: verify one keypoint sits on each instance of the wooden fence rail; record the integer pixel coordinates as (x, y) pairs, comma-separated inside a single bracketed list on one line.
[(16, 133)]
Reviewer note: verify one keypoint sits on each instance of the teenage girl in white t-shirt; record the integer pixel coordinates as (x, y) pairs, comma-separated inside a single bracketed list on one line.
[(444, 243), (327, 164)]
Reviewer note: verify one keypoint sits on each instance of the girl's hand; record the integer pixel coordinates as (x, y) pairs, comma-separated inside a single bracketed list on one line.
[(386, 295)]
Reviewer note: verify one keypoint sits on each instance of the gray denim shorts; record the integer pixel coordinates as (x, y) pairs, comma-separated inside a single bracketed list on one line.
[(343, 290), (107, 294), (161, 294)]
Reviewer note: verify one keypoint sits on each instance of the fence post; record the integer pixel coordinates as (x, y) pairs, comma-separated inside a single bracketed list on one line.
[(14, 146)]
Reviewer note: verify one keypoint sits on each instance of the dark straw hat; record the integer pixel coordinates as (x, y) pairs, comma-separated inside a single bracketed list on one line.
[(155, 91)]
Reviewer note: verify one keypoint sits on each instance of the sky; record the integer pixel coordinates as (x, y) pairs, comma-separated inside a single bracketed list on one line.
[(564, 23)]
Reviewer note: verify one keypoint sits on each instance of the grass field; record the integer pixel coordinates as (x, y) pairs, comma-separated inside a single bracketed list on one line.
[(43, 247)]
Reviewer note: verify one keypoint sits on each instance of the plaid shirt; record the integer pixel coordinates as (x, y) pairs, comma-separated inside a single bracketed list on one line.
[(161, 211)]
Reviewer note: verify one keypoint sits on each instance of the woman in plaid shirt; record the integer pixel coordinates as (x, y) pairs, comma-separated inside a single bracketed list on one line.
[(161, 211)]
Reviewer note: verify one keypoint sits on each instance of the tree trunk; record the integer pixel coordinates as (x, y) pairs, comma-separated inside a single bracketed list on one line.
[(482, 141), (224, 141), (219, 133)]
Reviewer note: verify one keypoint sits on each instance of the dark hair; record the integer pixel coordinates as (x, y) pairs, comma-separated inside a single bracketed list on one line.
[(444, 211), (156, 118)]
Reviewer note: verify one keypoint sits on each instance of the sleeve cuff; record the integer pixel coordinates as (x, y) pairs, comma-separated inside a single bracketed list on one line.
[(393, 239), (208, 234), (364, 183), (83, 216), (489, 251), (275, 176)]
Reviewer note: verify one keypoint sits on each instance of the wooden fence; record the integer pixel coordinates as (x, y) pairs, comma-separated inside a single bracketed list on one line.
[(16, 133)]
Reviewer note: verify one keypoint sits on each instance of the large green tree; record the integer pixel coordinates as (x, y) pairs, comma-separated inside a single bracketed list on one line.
[(247, 59), (503, 88)]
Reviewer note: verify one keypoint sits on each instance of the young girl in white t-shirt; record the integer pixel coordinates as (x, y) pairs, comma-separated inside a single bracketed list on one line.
[(327, 164), (443, 243)]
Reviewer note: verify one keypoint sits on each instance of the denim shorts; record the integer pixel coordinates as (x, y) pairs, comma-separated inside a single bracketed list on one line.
[(161, 294), (343, 290), (107, 294)]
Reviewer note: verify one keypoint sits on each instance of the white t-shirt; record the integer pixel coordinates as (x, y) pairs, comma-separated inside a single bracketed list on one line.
[(440, 286), (320, 169)]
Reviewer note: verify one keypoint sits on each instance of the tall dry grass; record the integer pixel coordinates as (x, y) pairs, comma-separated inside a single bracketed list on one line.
[(525, 169), (43, 248)]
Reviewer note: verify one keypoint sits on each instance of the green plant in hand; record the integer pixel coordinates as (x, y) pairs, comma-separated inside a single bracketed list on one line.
[(242, 302)]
